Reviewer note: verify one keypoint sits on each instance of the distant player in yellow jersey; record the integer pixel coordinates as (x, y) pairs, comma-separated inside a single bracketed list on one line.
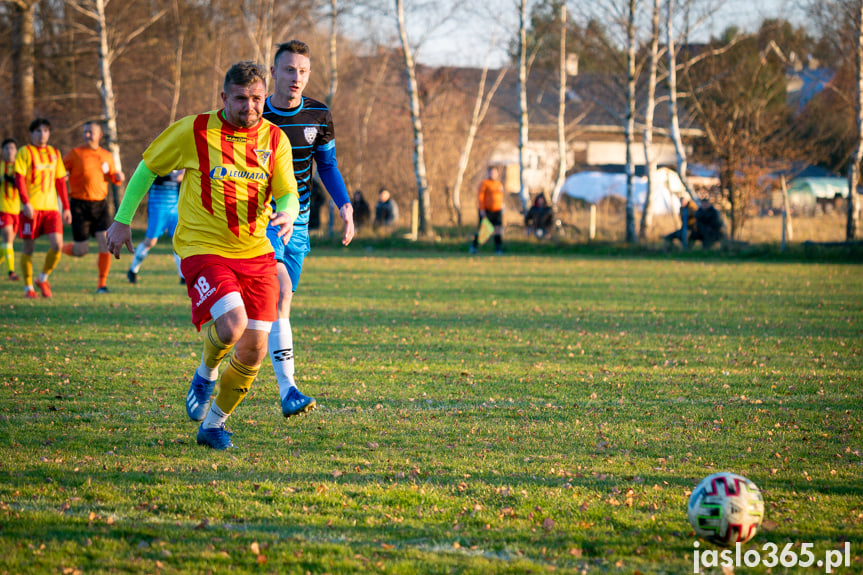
[(235, 163), (10, 205), (40, 177)]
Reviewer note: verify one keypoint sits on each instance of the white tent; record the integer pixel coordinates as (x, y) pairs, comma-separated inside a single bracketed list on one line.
[(593, 186)]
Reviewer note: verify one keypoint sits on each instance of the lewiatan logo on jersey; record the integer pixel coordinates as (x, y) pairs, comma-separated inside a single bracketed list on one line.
[(223, 173)]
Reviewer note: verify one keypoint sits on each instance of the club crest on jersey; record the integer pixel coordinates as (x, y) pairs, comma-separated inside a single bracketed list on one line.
[(263, 156), (310, 134)]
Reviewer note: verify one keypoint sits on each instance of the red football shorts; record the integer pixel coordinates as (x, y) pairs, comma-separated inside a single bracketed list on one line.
[(44, 222), (7, 219), (209, 278)]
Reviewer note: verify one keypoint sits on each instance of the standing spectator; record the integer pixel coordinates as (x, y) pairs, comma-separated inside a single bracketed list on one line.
[(10, 205), (490, 203), (308, 124), (362, 211), (235, 162), (90, 168), (386, 210), (161, 219), (40, 177)]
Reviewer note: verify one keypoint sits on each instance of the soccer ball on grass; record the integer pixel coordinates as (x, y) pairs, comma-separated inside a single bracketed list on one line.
[(726, 508)]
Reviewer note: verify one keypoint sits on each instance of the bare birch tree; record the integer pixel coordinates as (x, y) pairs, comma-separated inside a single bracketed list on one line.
[(110, 49), (480, 108), (523, 192), (561, 111), (854, 169), (676, 137), (416, 123), (629, 126), (649, 113)]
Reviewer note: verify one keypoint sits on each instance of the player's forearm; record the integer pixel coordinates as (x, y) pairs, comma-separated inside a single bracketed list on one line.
[(22, 189), (328, 170), (60, 184), (137, 188), (335, 185), (290, 204)]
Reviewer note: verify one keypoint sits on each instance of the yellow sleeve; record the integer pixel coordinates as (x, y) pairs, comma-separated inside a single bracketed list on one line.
[(165, 153)]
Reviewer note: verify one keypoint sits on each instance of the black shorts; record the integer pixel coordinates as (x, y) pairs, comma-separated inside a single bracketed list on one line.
[(89, 218), (496, 218)]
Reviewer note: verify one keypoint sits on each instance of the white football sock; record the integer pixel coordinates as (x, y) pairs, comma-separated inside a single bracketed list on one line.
[(281, 347), (210, 374), (215, 417), (140, 255), (177, 261)]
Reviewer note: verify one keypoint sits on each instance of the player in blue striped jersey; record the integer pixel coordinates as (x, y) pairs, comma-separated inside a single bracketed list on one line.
[(309, 126), (161, 219)]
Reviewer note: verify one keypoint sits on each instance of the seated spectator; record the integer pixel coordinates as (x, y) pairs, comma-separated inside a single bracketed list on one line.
[(362, 211), (539, 218), (709, 227), (386, 210), (687, 210)]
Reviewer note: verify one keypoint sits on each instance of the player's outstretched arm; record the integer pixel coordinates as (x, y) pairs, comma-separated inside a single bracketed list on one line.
[(120, 232)]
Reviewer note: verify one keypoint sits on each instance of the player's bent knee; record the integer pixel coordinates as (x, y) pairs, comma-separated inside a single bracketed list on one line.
[(229, 315)]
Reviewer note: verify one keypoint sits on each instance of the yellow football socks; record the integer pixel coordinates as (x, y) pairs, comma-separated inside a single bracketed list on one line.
[(234, 384), (27, 269), (52, 258), (214, 349), (9, 256)]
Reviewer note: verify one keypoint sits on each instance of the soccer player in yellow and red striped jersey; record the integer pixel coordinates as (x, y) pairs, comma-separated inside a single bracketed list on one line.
[(10, 205), (40, 178), (235, 163)]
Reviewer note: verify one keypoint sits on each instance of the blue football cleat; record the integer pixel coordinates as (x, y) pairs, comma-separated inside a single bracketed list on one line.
[(198, 398), (295, 403), (217, 438)]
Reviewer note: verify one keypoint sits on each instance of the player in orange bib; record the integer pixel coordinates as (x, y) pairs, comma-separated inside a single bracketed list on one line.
[(90, 169), (10, 205), (235, 163), (40, 178)]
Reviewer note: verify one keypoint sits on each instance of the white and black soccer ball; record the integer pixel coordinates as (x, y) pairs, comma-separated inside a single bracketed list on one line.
[(726, 508)]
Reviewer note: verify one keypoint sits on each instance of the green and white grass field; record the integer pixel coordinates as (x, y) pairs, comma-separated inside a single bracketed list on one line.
[(535, 412)]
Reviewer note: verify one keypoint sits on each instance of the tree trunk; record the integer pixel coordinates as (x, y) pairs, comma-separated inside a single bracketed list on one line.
[(334, 61), (679, 149), (483, 101), (416, 121), (854, 170), (561, 111), (629, 129), (178, 64), (23, 67), (366, 119), (106, 85), (649, 156), (523, 192)]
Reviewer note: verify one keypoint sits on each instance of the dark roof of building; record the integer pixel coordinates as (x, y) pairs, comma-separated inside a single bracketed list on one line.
[(595, 100)]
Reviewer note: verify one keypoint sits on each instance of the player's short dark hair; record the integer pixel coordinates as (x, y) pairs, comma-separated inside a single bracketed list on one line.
[(8, 141), (93, 123), (245, 74), (38, 123), (292, 47)]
